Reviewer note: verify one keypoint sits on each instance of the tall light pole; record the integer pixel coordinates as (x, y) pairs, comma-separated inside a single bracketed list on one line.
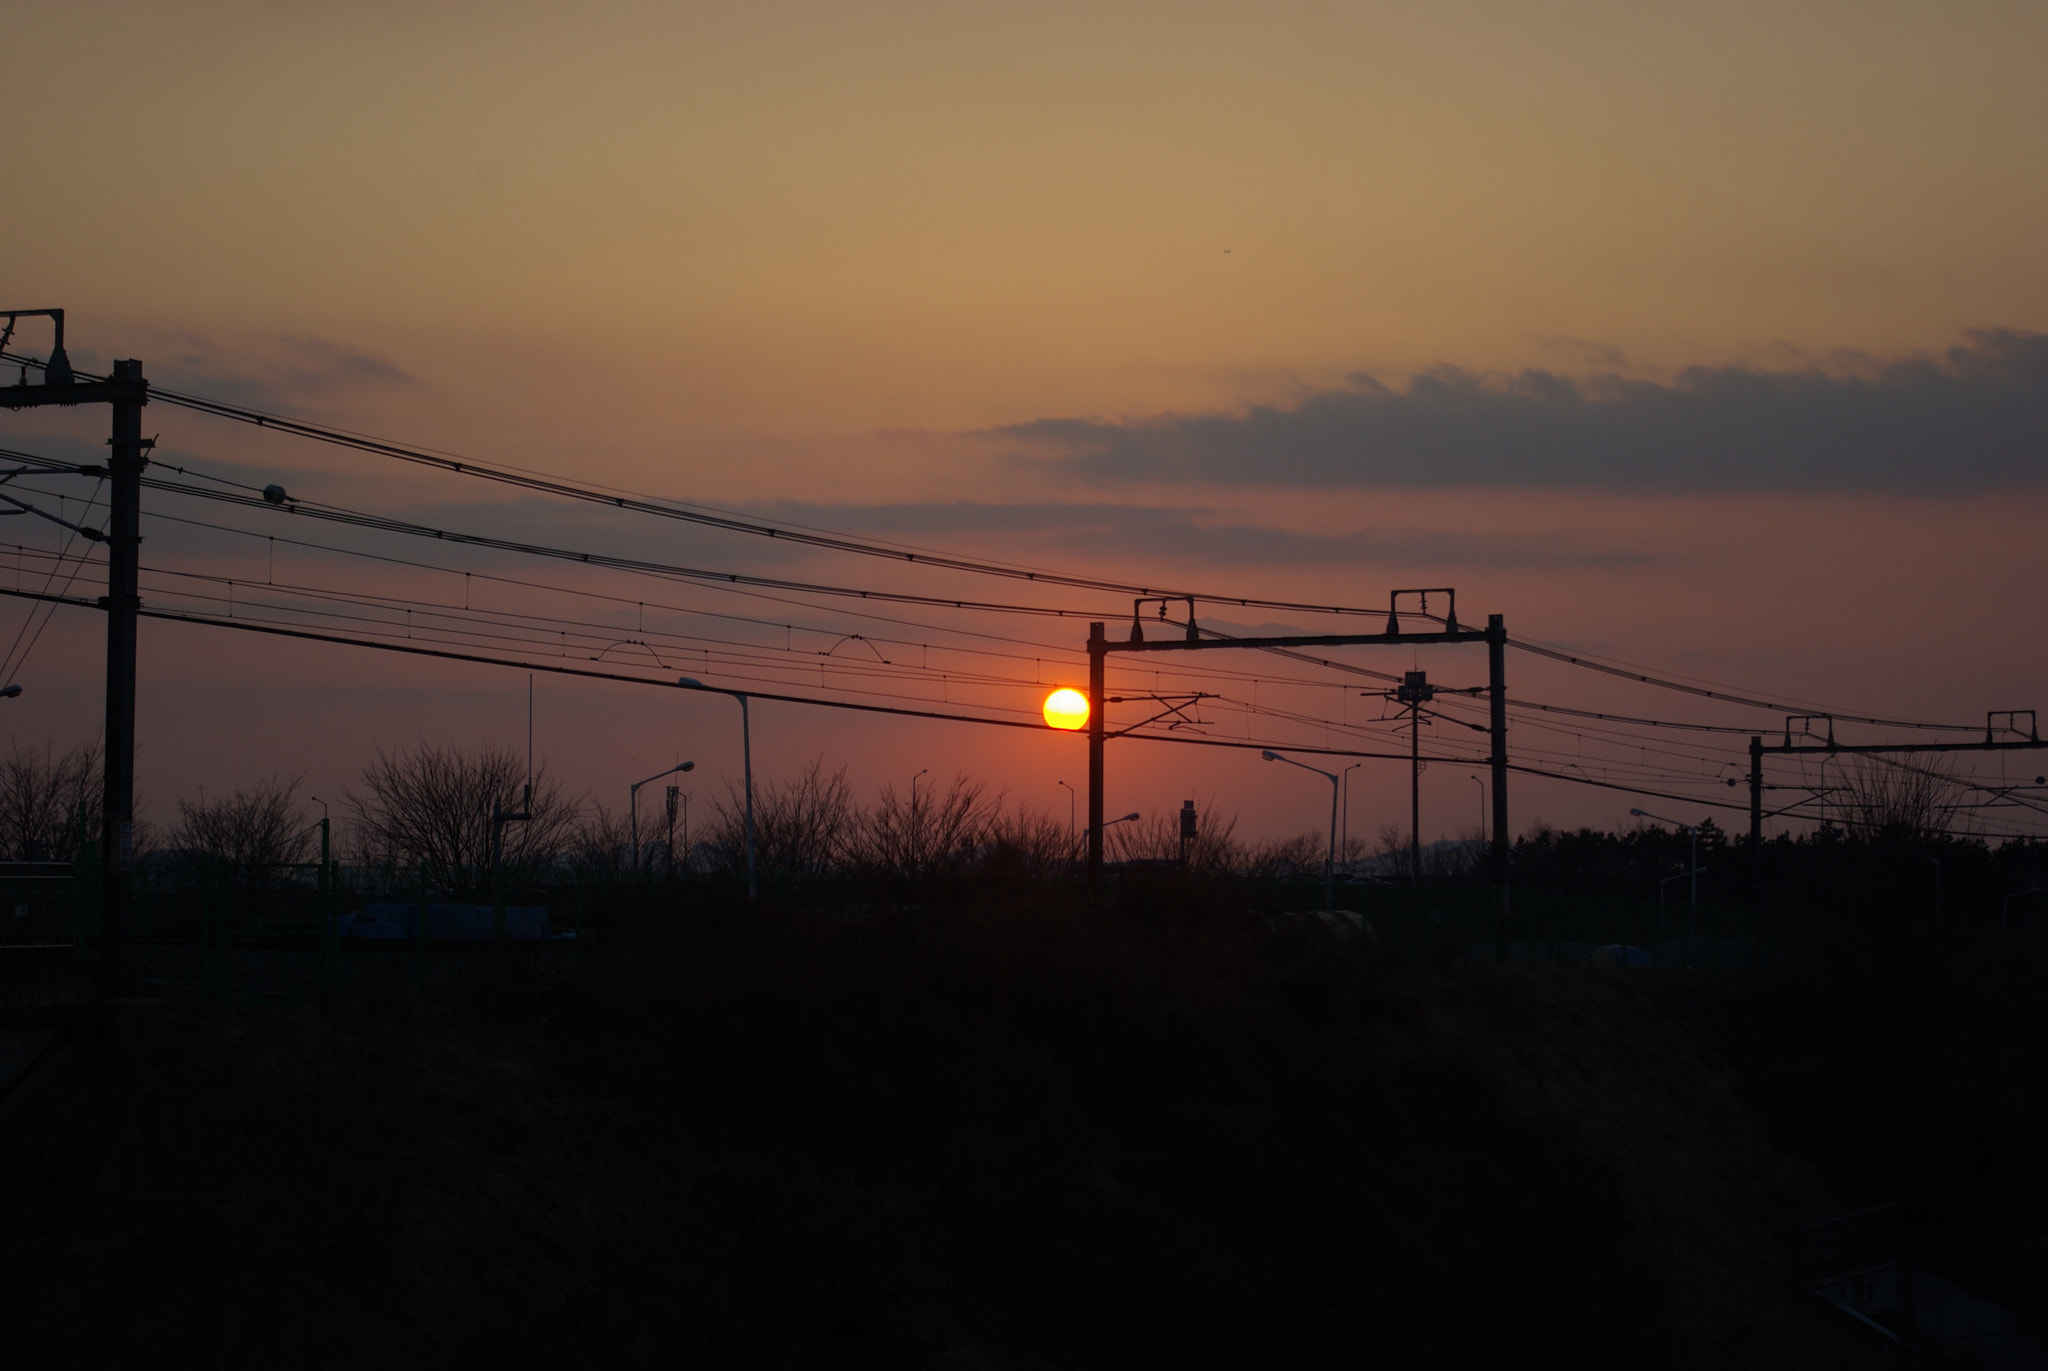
[(633, 803), (1693, 907), (1691, 832), (1330, 863), (1345, 845), (1482, 810), (1070, 810), (747, 757)]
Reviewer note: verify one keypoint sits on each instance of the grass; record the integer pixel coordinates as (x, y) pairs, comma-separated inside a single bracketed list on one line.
[(1010, 1136)]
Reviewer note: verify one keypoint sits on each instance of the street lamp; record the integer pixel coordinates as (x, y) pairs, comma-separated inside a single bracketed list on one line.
[(1693, 904), (1345, 845), (747, 757), (1482, 811), (1330, 864), (633, 805), (1070, 808), (1112, 823), (8, 692)]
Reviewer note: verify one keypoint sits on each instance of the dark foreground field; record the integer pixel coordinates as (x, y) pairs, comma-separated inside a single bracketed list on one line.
[(1022, 1138)]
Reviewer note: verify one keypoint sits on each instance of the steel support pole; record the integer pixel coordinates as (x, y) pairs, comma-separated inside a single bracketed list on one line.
[(1415, 793), (124, 537), (1098, 651), (747, 756), (1497, 708), (1497, 700), (1756, 823), (1330, 862)]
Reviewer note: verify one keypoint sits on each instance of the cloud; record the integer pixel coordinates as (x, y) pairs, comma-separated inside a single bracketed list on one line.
[(1973, 418), (280, 373)]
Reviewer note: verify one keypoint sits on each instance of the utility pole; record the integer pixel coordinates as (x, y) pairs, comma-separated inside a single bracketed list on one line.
[(1756, 823), (1495, 636), (1098, 648), (124, 547), (127, 392), (2023, 740), (1415, 691), (674, 794), (1497, 696)]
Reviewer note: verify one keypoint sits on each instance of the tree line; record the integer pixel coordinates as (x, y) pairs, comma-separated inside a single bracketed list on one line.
[(434, 809)]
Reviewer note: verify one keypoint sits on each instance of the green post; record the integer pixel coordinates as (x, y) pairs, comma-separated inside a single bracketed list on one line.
[(419, 933), (323, 935), (220, 927), (216, 905), (205, 924), (576, 921), (85, 888)]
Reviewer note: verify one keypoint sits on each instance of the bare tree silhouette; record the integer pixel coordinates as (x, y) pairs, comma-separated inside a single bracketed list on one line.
[(432, 806), (256, 829), (41, 798)]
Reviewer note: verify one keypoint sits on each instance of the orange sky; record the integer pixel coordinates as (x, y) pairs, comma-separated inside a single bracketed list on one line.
[(810, 257)]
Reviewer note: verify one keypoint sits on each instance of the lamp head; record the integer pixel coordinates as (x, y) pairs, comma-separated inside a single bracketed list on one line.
[(1270, 756), (1638, 814), (687, 766), (8, 692), (689, 681)]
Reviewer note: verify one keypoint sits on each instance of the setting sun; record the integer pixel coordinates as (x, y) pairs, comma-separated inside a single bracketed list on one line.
[(1066, 708)]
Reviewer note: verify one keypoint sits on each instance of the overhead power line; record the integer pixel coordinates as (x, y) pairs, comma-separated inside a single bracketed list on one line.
[(543, 484), (562, 669), (1726, 697)]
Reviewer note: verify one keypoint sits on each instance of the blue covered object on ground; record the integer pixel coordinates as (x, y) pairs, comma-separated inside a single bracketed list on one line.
[(443, 921), (1620, 955)]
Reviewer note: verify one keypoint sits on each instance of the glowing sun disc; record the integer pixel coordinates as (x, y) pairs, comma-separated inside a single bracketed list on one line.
[(1066, 708)]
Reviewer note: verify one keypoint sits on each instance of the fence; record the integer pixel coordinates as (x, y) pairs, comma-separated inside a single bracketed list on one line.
[(39, 905), (1467, 922)]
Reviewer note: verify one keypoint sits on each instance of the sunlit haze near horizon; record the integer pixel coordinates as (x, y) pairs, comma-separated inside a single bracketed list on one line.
[(1708, 339)]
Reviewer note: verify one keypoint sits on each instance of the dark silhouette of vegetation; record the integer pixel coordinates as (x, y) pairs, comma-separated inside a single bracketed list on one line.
[(48, 800), (432, 806), (1009, 1131), (256, 830)]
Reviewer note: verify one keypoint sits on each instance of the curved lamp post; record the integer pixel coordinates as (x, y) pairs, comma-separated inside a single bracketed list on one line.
[(747, 757), (1330, 864), (1112, 823), (1692, 905), (633, 804), (1344, 844)]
